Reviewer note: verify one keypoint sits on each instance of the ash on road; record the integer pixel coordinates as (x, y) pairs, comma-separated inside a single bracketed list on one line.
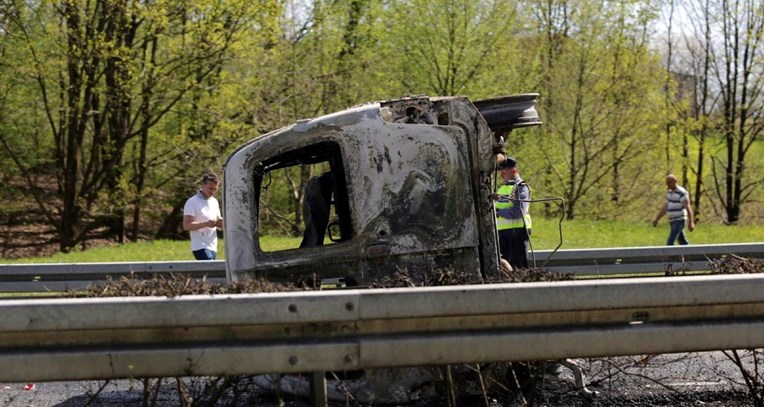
[(696, 379)]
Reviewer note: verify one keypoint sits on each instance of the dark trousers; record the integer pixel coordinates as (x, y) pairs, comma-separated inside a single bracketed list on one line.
[(513, 244)]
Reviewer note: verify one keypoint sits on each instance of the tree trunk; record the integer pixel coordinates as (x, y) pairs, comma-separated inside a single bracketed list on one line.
[(71, 135), (172, 224), (141, 168)]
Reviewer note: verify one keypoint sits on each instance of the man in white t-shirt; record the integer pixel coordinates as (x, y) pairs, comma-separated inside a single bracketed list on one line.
[(202, 219), (678, 210)]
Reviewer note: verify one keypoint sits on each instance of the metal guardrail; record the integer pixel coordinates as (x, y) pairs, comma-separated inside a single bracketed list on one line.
[(627, 260), (72, 339), (43, 277), (623, 260)]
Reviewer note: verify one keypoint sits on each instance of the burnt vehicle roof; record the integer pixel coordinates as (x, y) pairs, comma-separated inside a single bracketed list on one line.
[(500, 113)]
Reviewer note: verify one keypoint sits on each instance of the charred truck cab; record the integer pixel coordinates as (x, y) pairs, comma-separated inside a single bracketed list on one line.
[(400, 185)]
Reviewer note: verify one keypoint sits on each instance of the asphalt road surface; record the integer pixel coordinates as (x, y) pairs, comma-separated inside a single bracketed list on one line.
[(699, 379)]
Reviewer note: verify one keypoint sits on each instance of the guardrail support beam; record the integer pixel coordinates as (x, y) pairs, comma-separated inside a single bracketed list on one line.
[(318, 388)]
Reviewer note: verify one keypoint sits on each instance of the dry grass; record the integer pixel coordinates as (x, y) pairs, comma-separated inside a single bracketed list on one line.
[(175, 285), (736, 265)]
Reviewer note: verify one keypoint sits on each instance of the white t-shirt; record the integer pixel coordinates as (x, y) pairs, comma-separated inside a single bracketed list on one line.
[(203, 209)]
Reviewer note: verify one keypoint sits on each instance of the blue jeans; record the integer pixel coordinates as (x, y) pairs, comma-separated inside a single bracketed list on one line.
[(204, 254), (677, 232)]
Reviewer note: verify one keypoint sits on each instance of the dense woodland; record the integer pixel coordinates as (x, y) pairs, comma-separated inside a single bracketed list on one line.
[(111, 110)]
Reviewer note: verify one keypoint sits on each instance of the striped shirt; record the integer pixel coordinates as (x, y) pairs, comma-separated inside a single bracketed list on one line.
[(676, 200)]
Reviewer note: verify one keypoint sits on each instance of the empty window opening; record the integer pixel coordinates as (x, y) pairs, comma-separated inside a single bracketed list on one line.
[(303, 199)]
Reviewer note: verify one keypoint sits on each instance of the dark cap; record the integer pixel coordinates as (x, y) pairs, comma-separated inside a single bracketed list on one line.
[(508, 163)]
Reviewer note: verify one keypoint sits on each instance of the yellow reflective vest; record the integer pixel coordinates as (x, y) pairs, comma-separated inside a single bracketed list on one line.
[(506, 190)]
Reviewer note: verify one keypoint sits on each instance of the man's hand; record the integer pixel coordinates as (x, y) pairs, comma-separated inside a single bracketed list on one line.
[(655, 222), (691, 226)]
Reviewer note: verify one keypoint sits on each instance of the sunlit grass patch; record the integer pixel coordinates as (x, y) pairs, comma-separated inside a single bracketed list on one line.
[(577, 234)]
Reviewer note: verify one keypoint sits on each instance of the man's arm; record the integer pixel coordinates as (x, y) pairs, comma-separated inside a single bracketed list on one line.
[(219, 220), (189, 224), (662, 211), (519, 198), (691, 223)]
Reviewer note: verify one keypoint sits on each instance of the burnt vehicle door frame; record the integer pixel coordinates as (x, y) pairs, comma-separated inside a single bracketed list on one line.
[(244, 255)]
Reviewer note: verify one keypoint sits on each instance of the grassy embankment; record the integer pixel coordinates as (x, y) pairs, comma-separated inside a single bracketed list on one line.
[(576, 234)]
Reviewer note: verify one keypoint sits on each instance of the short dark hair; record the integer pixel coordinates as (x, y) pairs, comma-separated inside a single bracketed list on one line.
[(210, 177)]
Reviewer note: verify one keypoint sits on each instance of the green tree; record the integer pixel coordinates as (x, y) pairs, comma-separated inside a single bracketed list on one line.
[(218, 112), (600, 104), (452, 47), (106, 73), (722, 78), (739, 76)]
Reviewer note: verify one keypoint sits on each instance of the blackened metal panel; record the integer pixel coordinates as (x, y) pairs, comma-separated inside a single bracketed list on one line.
[(416, 208)]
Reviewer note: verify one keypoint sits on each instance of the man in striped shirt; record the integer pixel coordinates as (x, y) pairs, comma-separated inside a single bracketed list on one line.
[(678, 210)]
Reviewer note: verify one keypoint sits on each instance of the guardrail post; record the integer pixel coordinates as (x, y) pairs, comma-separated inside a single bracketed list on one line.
[(318, 389), (446, 370)]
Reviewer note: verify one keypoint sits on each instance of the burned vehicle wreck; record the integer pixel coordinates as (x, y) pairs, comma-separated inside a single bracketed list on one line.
[(400, 185), (397, 185)]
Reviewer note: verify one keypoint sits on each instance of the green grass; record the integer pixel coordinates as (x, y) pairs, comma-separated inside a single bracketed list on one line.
[(577, 234), (580, 234), (157, 250)]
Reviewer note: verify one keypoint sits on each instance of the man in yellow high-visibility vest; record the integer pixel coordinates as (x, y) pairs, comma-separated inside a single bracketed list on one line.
[(513, 220)]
